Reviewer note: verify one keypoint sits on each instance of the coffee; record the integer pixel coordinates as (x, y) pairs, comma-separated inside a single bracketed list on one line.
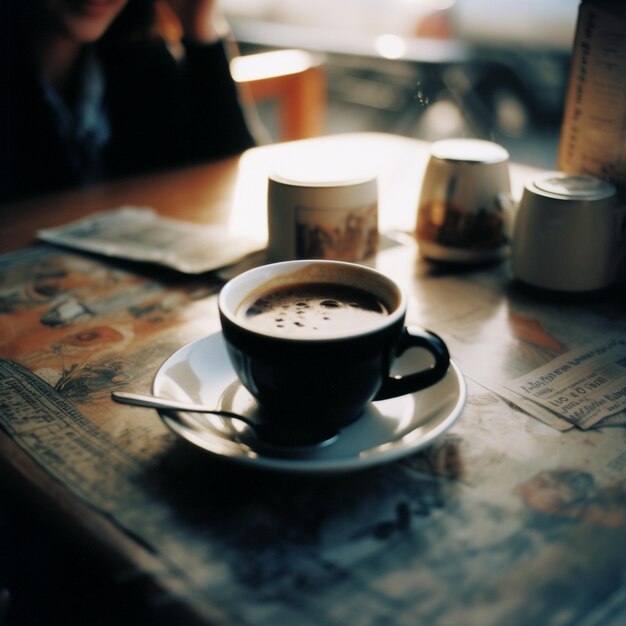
[(313, 310)]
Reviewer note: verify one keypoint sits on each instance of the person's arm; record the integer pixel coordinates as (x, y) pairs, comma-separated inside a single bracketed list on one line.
[(215, 118), (201, 20)]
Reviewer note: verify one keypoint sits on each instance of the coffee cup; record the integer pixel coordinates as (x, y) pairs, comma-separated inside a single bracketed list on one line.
[(465, 209), (322, 217), (569, 233), (314, 342)]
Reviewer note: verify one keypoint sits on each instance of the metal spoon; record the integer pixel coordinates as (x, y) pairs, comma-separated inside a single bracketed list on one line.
[(155, 402), (263, 432)]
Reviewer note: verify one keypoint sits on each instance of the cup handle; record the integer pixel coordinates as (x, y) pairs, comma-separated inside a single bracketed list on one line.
[(415, 337)]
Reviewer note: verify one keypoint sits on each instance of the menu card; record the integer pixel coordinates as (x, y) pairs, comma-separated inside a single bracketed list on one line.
[(593, 136)]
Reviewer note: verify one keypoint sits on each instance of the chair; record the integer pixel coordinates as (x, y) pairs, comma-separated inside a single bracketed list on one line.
[(295, 79)]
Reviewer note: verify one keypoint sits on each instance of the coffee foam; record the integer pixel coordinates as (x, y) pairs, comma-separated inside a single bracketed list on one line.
[(323, 273)]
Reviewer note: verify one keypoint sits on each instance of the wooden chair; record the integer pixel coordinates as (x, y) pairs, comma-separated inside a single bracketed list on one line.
[(295, 79)]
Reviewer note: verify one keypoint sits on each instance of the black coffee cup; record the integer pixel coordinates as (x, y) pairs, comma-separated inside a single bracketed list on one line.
[(313, 369)]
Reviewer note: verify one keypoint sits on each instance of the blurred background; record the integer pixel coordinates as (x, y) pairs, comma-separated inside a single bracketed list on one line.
[(428, 69)]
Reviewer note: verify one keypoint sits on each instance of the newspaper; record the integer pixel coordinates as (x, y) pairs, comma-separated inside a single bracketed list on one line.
[(584, 386), (140, 234), (441, 537)]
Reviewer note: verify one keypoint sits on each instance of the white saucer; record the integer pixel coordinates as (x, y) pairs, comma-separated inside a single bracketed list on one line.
[(388, 430)]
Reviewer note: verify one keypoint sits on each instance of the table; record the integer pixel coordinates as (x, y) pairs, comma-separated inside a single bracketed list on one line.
[(505, 519)]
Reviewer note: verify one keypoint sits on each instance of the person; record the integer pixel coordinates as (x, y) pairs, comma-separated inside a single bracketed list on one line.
[(94, 92)]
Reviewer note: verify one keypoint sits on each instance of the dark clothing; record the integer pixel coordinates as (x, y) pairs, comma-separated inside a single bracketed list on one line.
[(161, 113)]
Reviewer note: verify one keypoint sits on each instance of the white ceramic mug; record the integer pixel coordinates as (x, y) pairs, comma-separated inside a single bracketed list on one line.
[(569, 233), (326, 218), (465, 210)]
